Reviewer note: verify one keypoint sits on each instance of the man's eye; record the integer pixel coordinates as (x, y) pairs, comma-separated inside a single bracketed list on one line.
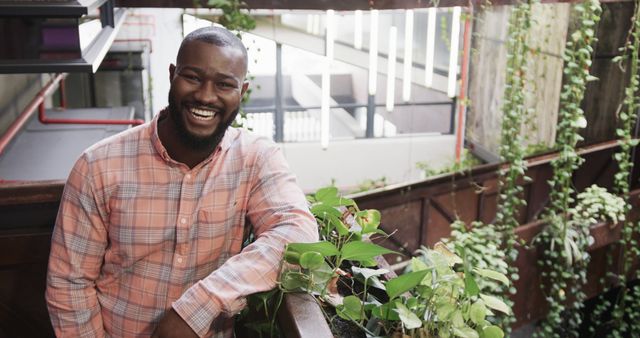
[(226, 85), (191, 77)]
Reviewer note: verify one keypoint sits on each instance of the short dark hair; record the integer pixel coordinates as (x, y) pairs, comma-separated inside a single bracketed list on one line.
[(218, 36)]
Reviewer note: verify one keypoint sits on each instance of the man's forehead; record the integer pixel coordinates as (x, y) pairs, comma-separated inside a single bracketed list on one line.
[(195, 46), (193, 53)]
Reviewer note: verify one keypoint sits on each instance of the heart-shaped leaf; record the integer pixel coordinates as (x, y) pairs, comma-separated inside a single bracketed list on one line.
[(324, 248), (465, 332), (408, 318), (350, 309), (404, 283), (311, 260), (492, 331), (386, 311), (495, 303), (478, 312), (326, 193), (369, 220), (360, 251), (493, 275)]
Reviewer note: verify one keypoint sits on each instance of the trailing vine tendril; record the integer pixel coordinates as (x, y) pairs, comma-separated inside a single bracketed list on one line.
[(565, 258)]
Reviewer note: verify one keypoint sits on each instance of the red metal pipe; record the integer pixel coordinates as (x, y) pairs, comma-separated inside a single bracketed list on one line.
[(29, 110), (45, 120), (137, 40), (63, 103), (462, 105)]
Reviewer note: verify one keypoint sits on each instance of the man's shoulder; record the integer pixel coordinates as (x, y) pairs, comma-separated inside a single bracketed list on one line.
[(245, 140), (118, 144)]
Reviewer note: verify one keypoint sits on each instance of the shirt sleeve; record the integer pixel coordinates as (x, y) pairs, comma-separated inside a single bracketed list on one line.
[(278, 211), (77, 250)]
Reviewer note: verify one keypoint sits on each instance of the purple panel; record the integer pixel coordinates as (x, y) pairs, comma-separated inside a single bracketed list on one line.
[(60, 38)]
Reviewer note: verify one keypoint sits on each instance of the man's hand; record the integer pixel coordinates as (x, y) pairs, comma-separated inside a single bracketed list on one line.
[(173, 326)]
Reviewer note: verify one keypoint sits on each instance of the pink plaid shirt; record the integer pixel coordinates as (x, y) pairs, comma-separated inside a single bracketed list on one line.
[(138, 233)]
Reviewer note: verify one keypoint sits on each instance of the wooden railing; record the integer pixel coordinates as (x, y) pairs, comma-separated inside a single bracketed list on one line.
[(421, 213)]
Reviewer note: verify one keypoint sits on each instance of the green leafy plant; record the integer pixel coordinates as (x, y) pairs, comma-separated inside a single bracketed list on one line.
[(564, 240), (479, 243), (233, 16), (627, 302), (370, 184), (466, 162), (441, 294)]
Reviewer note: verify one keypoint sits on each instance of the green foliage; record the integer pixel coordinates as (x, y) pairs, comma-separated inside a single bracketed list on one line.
[(466, 162), (565, 239), (442, 294), (513, 114), (482, 248), (370, 184), (627, 301), (233, 18), (437, 293)]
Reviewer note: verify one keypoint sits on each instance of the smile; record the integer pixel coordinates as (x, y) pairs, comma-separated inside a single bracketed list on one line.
[(202, 114)]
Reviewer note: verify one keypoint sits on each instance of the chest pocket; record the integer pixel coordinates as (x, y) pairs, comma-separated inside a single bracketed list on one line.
[(218, 236)]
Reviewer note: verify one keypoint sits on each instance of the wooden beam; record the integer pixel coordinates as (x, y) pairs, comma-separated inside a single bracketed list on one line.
[(339, 5)]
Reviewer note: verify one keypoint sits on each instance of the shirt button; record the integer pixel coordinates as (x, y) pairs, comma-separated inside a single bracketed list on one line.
[(180, 260), (183, 220), (187, 176)]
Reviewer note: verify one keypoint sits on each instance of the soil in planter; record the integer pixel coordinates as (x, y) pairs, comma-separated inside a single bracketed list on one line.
[(341, 328)]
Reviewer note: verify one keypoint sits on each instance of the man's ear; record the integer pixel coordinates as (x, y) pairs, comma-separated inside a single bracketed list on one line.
[(245, 86), (172, 70)]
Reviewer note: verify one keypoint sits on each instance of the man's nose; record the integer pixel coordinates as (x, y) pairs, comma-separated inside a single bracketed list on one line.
[(206, 93)]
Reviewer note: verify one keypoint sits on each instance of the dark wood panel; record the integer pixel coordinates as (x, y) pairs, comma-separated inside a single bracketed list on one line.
[(602, 97), (326, 4), (23, 313), (401, 217), (30, 192)]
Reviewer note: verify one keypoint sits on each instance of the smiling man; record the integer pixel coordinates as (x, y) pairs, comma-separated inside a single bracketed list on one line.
[(148, 238)]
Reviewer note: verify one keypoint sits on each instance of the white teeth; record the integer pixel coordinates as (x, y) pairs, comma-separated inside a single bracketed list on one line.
[(202, 114)]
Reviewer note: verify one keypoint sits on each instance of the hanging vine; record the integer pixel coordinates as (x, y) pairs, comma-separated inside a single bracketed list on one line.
[(564, 240), (627, 304), (511, 146), (510, 198)]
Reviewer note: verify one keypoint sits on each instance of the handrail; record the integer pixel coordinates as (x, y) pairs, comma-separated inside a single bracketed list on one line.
[(29, 110), (38, 102)]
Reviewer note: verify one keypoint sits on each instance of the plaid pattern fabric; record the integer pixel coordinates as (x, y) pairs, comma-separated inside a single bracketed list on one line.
[(138, 233)]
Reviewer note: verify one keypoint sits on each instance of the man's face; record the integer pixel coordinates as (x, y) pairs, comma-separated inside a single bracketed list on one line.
[(207, 85)]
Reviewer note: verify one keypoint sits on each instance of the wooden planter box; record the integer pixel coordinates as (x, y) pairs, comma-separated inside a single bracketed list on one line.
[(421, 212)]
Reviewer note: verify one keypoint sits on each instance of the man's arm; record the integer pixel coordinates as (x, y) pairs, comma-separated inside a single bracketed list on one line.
[(77, 250), (278, 211)]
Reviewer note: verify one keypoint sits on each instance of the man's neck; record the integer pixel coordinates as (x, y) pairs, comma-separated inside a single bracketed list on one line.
[(177, 148)]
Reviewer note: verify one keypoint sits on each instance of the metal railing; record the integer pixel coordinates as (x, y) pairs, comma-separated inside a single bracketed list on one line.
[(302, 124)]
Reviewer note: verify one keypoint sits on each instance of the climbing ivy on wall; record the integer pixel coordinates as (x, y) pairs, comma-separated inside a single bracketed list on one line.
[(627, 303), (564, 241), (510, 198)]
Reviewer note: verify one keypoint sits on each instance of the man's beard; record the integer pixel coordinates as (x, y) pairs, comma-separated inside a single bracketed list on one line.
[(194, 141)]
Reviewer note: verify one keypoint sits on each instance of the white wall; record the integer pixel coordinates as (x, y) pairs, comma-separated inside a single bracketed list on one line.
[(351, 162), (165, 37)]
